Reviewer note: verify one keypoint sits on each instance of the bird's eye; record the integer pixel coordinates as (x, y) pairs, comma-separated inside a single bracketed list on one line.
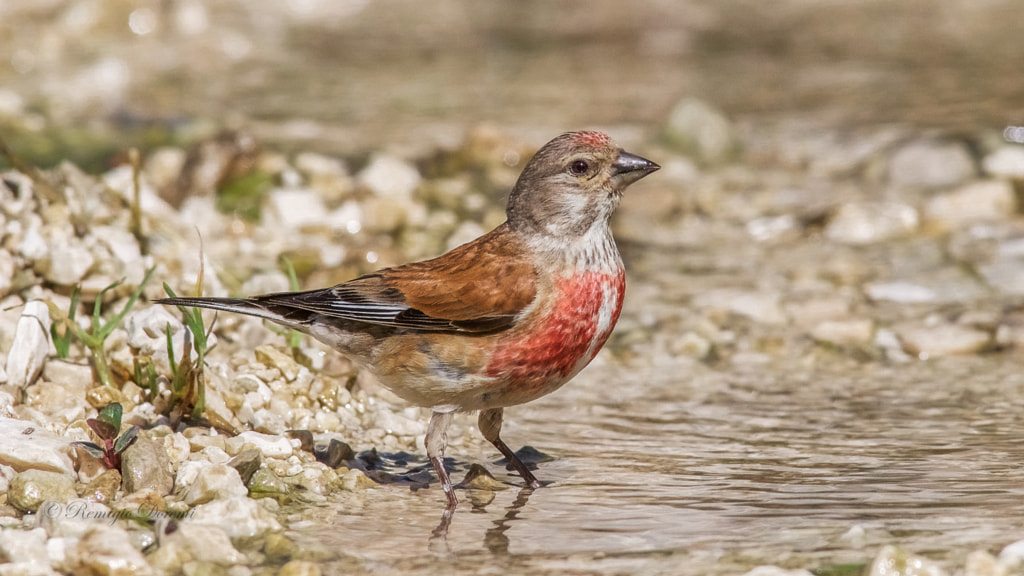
[(579, 167)]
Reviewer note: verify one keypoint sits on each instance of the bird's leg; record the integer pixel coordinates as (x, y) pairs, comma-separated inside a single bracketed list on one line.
[(437, 439), (490, 426)]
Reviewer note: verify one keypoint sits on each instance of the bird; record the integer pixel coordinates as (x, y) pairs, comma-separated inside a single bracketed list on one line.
[(499, 321)]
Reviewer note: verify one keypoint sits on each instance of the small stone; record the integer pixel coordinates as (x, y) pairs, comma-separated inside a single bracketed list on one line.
[(217, 481), (931, 164), (295, 208), (300, 568), (31, 488), (305, 438), (975, 202), (246, 463), (24, 446), (844, 332), (355, 480), (894, 561), (6, 272), (147, 335), (1012, 556), (106, 551), (1005, 274), (942, 340), (205, 543), (387, 176), (69, 262), (24, 551), (279, 548), (264, 482), (100, 396), (903, 292), (146, 466), (31, 345), (239, 517), (776, 571), (870, 222), (981, 563), (271, 356), (271, 446), (103, 488), (1005, 162), (334, 454), (761, 307), (479, 478), (697, 129)]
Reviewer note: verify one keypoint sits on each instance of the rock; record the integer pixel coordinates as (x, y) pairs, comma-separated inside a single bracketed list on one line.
[(776, 571), (295, 208), (279, 548), (903, 292), (844, 332), (213, 482), (146, 466), (894, 561), (69, 262), (269, 445), (147, 334), (239, 517), (977, 201), (479, 478), (1005, 162), (929, 163), (106, 551), (247, 463), (697, 129), (273, 357), (1005, 274), (870, 222), (981, 563), (1012, 556), (24, 551), (103, 488), (205, 543), (299, 568), (31, 345), (6, 271), (29, 489), (305, 438), (264, 482), (927, 341), (761, 307), (355, 480), (389, 177), (334, 454), (24, 446)]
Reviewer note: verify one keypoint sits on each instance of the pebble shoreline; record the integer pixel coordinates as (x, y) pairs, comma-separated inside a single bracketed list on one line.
[(886, 246)]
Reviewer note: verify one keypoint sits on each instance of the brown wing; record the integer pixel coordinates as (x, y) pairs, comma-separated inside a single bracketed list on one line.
[(477, 287)]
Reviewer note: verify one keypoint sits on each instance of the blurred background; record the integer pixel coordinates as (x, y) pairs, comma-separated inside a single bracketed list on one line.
[(82, 79)]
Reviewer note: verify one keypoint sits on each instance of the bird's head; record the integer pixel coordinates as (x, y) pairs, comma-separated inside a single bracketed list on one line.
[(572, 183)]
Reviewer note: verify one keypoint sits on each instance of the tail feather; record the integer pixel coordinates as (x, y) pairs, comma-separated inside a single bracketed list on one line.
[(250, 307)]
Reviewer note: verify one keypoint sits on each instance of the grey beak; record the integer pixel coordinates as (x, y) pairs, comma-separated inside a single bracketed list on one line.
[(629, 167)]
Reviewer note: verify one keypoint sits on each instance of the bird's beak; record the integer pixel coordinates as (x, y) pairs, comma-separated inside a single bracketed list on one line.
[(629, 168)]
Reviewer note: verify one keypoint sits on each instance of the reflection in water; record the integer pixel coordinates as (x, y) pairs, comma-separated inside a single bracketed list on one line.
[(495, 540)]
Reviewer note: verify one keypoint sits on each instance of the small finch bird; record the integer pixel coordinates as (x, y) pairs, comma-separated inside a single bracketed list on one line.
[(496, 322)]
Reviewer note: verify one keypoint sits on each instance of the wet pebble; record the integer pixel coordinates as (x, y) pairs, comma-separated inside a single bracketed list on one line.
[(29, 489), (355, 480), (31, 345), (334, 454), (300, 568), (870, 222), (479, 478), (931, 164), (146, 466)]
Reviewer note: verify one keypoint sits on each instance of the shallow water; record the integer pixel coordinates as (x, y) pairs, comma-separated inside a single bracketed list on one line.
[(702, 470)]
